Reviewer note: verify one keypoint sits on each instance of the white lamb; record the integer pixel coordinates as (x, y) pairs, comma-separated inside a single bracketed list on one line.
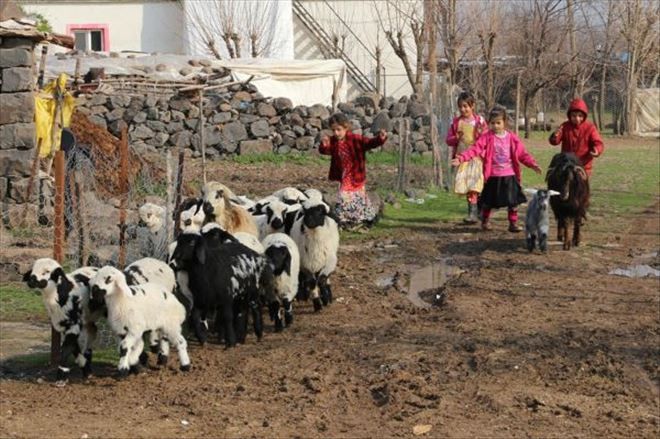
[(134, 310), (317, 236), (284, 259)]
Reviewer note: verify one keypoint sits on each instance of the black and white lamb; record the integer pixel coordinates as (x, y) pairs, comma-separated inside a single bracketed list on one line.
[(271, 217), (537, 220), (284, 259), (66, 297), (134, 310), (227, 277), (290, 195), (316, 234)]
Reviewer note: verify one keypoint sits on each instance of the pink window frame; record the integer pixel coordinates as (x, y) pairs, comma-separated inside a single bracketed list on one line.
[(92, 26)]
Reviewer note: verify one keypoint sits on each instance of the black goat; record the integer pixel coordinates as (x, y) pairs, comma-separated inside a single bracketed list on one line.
[(226, 276), (566, 176)]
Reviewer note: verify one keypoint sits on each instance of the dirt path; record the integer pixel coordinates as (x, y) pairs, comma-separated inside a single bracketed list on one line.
[(540, 345)]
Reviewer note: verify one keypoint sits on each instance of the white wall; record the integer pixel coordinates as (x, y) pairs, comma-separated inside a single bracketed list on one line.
[(151, 26), (362, 19)]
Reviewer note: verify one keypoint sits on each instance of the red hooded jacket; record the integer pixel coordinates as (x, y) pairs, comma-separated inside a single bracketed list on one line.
[(358, 146), (581, 139)]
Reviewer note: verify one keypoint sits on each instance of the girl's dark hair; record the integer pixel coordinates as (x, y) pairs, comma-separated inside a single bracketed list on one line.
[(466, 97), (339, 119), (497, 112)]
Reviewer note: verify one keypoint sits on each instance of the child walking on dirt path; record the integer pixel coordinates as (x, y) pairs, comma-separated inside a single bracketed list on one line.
[(502, 153), (463, 132), (348, 167), (578, 135)]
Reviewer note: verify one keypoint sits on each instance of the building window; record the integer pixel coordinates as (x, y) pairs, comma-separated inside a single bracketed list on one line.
[(90, 37), (89, 40)]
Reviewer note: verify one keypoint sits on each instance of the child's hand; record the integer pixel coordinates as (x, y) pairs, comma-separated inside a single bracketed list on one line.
[(459, 135), (594, 153), (325, 141), (382, 135), (537, 169), (455, 162), (557, 132)]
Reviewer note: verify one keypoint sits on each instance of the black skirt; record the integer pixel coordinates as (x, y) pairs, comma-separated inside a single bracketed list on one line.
[(501, 192)]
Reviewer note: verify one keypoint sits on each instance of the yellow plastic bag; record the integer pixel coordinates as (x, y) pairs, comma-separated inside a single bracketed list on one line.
[(44, 114)]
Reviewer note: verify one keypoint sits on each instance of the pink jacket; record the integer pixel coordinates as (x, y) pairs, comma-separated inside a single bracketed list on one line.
[(452, 134), (485, 148)]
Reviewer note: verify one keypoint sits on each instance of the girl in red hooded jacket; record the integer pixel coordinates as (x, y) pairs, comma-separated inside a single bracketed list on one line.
[(502, 153), (348, 166), (579, 136)]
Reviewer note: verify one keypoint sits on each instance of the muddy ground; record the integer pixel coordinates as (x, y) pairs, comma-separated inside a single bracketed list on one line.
[(514, 345)]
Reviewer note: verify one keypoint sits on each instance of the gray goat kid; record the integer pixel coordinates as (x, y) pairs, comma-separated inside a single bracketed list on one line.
[(537, 221)]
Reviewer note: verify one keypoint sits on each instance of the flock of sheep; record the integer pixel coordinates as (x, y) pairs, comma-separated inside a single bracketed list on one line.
[(232, 257)]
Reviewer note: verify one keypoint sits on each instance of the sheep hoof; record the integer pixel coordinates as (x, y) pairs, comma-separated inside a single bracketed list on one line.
[(185, 367), (134, 369), (288, 318), (62, 375), (317, 305), (162, 360), (144, 358), (154, 348), (86, 371), (123, 373)]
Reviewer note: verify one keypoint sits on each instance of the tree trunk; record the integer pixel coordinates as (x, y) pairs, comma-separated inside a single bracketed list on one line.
[(602, 97), (526, 100)]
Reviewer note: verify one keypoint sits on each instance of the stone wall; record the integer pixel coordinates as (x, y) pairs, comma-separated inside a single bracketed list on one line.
[(240, 120), (17, 132)]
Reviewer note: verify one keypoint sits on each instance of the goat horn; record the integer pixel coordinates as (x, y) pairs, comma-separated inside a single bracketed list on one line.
[(580, 170)]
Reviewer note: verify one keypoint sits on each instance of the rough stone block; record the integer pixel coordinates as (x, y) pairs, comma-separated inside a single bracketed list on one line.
[(368, 100), (16, 42), (260, 146), (260, 128), (141, 132), (234, 132), (98, 120), (181, 139), (318, 111), (4, 184), (266, 110), (159, 139), (17, 57), (17, 135), (15, 162), (382, 121), (222, 117), (282, 104), (16, 107), (305, 143)]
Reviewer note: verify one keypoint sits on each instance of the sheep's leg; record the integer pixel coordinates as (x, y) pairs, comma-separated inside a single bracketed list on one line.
[(85, 343), (531, 242), (228, 320), (154, 341), (198, 326), (69, 347), (240, 320), (179, 341), (561, 229), (288, 312), (134, 355), (219, 324), (125, 345), (164, 351), (567, 242), (274, 312), (576, 232), (257, 319), (326, 291), (543, 242)]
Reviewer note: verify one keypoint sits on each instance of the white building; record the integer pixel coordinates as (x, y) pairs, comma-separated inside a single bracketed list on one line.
[(301, 29)]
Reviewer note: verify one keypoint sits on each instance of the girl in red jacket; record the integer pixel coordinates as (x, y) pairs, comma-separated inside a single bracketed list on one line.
[(347, 166), (502, 153), (463, 132), (578, 135)]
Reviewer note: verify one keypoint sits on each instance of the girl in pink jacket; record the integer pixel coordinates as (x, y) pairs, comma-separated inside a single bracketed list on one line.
[(502, 152)]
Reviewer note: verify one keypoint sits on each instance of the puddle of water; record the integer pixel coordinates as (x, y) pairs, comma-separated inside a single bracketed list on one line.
[(430, 279), (636, 271)]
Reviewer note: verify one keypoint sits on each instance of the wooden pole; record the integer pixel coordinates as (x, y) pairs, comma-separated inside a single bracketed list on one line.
[(42, 67), (517, 103), (33, 173), (170, 195), (202, 139), (123, 189), (58, 241), (76, 73), (179, 189)]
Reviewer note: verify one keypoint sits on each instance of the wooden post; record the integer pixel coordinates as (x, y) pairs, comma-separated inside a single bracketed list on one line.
[(76, 73), (123, 189), (58, 241), (33, 173), (379, 87), (517, 103), (42, 67), (403, 153), (202, 139), (170, 195), (179, 190)]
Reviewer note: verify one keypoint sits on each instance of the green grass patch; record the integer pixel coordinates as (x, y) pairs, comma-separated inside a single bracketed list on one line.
[(24, 232), (18, 302), (391, 158), (34, 360)]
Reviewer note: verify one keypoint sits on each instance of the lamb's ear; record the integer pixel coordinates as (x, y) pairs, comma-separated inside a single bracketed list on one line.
[(26, 276), (530, 191), (200, 253), (57, 274), (552, 193), (121, 284)]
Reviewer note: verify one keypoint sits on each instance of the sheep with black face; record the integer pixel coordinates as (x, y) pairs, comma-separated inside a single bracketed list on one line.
[(66, 297), (316, 234), (284, 260), (134, 310)]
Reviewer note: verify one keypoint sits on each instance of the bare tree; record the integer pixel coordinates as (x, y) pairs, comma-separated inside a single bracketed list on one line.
[(400, 21), (537, 38), (640, 32)]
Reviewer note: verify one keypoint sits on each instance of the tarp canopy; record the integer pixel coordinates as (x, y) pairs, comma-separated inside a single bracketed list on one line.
[(304, 82), (648, 112)]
